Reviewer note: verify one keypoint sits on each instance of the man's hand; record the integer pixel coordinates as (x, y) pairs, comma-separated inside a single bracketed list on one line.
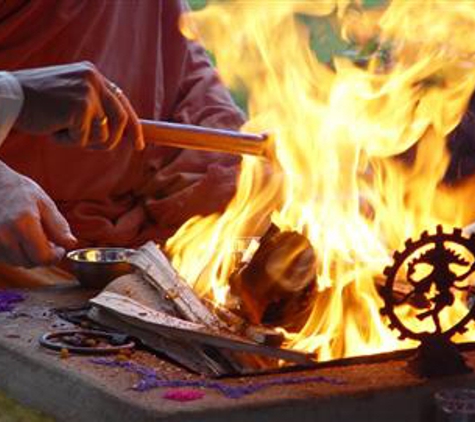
[(78, 105), (32, 230)]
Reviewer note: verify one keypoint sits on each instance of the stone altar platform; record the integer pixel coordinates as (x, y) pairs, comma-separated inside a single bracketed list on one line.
[(80, 388)]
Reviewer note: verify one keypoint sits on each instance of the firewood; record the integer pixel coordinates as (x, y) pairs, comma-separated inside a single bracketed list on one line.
[(277, 286), (158, 271), (139, 316), (184, 302), (182, 326)]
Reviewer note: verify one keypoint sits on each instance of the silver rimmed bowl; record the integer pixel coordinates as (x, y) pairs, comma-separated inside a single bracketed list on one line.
[(96, 267)]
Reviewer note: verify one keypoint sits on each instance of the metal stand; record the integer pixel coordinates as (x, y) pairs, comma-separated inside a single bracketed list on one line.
[(430, 294)]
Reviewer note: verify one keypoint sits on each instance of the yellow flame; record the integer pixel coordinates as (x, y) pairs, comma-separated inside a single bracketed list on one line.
[(360, 151)]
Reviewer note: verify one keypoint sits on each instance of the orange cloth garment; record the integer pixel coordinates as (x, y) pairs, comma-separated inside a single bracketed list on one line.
[(123, 197)]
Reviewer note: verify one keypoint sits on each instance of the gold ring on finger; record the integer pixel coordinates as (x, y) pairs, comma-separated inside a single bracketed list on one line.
[(99, 122), (103, 121)]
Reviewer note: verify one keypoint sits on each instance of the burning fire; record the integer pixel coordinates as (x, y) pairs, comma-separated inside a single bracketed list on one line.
[(360, 151)]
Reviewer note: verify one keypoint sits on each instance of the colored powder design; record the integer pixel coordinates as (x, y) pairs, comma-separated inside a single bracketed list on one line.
[(183, 395), (9, 299), (149, 379)]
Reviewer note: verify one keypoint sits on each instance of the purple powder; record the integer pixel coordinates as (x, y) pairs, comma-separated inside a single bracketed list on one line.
[(149, 379), (8, 299)]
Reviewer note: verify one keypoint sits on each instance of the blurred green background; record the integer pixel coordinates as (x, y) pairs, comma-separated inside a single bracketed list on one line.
[(324, 39)]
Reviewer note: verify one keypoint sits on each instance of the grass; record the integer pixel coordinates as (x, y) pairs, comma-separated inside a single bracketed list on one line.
[(10, 411)]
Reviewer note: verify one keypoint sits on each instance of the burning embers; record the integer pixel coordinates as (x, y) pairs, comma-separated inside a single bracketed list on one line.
[(343, 130)]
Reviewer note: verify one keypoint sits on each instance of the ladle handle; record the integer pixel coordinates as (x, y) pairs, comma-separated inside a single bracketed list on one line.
[(202, 138)]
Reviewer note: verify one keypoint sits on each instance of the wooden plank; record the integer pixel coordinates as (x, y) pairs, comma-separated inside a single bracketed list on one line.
[(188, 354), (157, 269), (157, 322)]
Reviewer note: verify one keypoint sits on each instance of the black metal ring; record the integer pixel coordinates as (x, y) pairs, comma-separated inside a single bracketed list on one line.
[(127, 344)]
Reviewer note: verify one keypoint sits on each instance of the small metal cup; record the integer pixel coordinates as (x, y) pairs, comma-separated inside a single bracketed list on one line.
[(96, 267)]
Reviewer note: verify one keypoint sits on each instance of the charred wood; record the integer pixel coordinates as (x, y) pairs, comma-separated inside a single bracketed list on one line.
[(277, 286)]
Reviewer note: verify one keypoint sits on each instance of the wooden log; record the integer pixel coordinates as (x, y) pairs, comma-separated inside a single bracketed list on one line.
[(133, 288), (158, 271), (188, 354), (181, 326), (136, 315), (278, 285), (241, 326)]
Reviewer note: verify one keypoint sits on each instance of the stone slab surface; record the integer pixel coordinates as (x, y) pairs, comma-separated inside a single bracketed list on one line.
[(78, 390)]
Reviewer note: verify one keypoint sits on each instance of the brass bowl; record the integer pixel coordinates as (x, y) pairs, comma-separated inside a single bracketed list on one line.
[(96, 267)]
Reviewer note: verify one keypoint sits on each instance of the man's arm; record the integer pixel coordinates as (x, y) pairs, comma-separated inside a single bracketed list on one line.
[(75, 104)]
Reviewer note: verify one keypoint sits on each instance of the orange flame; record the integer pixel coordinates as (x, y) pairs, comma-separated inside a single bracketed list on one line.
[(344, 135)]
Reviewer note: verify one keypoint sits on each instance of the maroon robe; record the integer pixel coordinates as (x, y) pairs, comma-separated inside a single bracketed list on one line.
[(123, 197)]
